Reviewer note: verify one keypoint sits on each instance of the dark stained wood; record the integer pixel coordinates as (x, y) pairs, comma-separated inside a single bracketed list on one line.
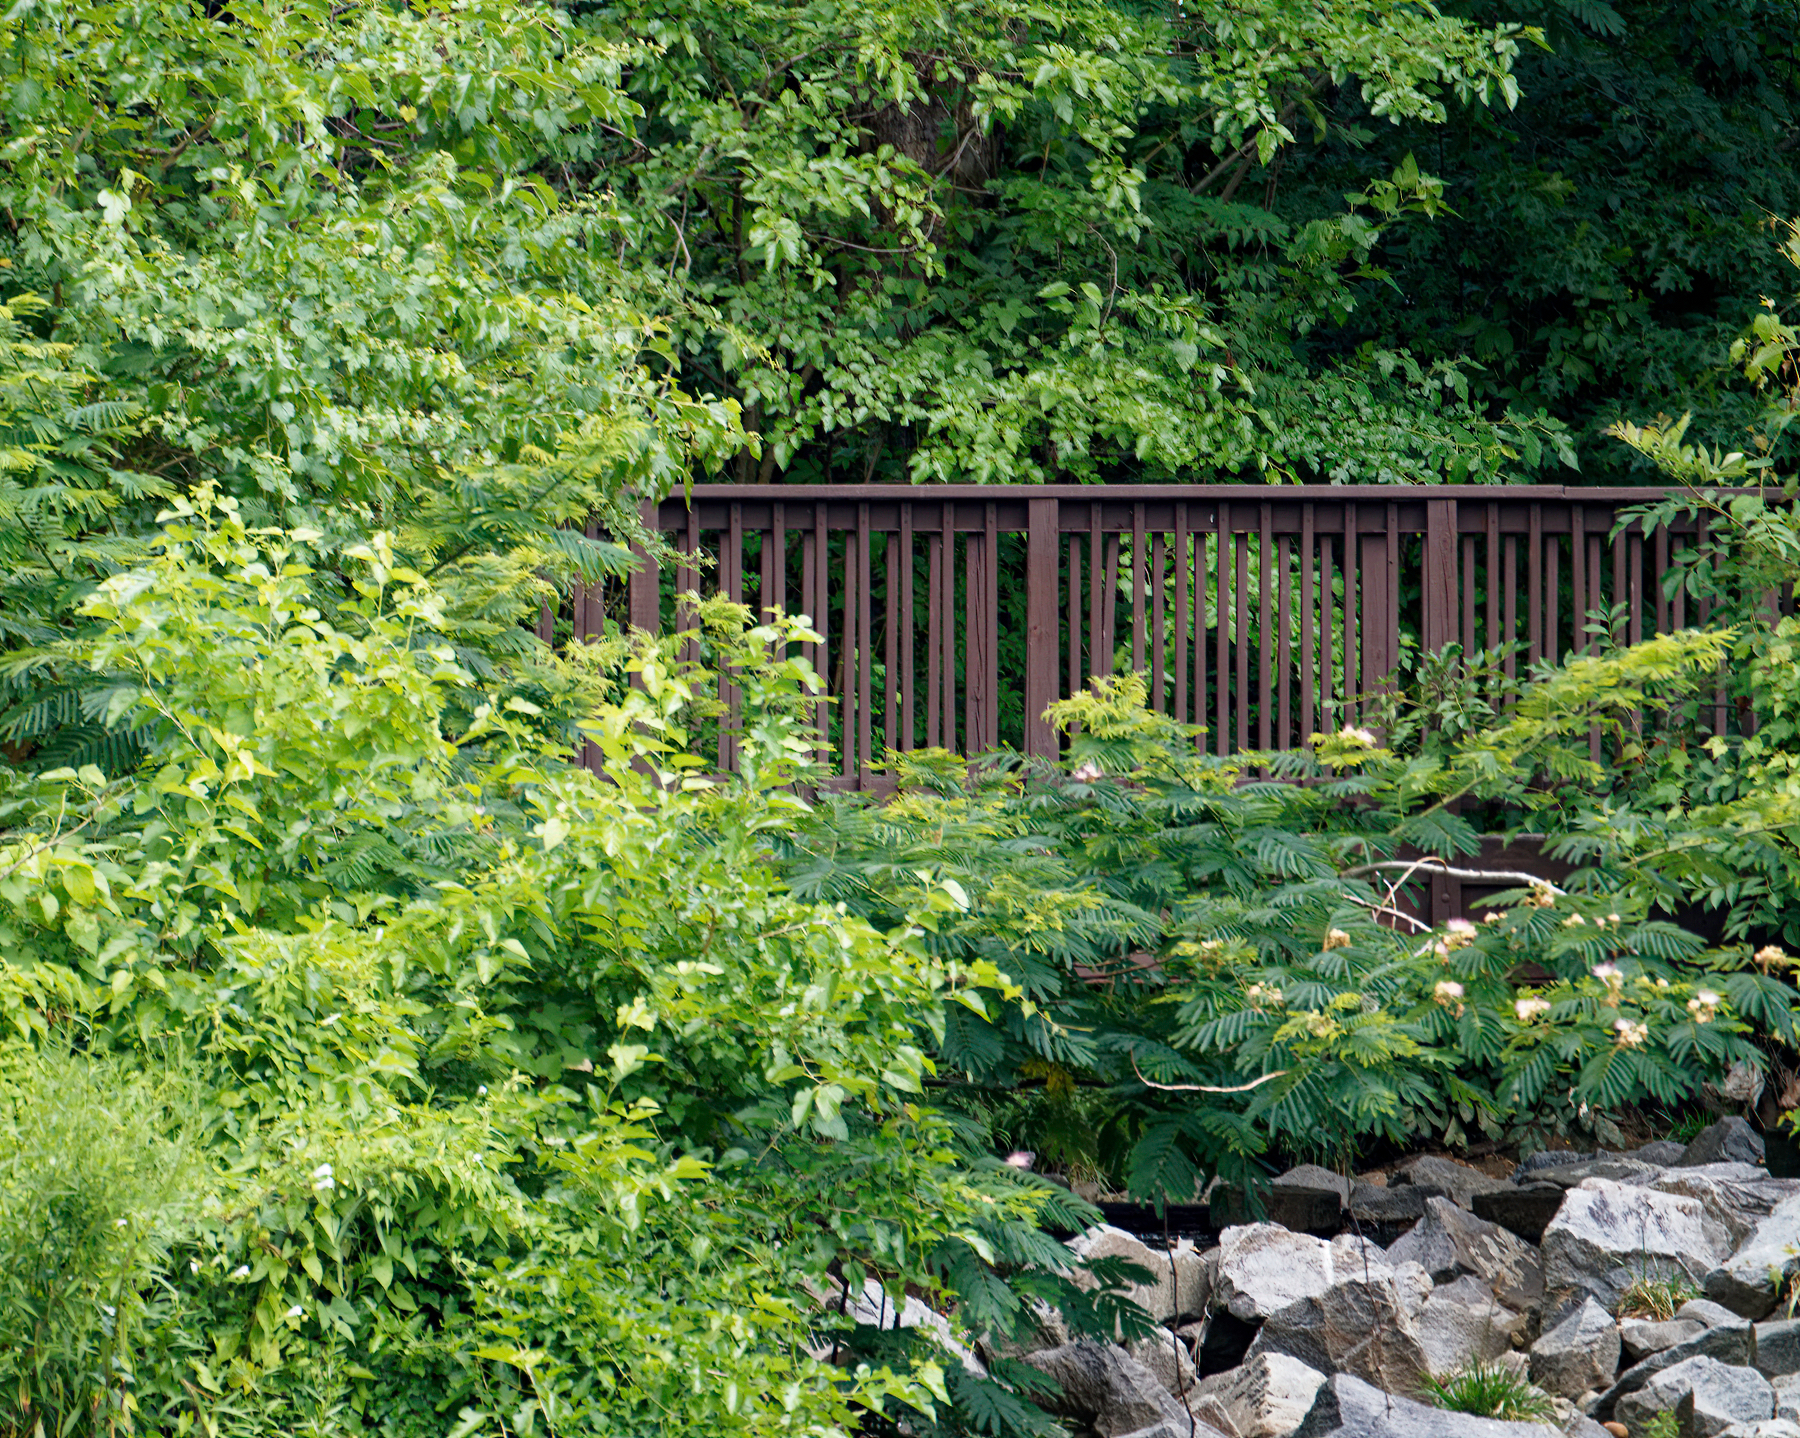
[(644, 599), (890, 643), (1149, 546), (1241, 637), (1284, 660), (1041, 544), (1265, 637), (1534, 585), (1353, 602), (902, 566), (1109, 605), (1552, 598), (1222, 635), (1096, 632), (1158, 620), (935, 620), (1183, 561), (1077, 679), (1137, 588), (1311, 627), (820, 603), (1327, 659), (851, 642), (865, 643)]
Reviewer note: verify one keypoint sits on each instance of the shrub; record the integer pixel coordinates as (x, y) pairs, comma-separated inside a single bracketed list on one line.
[(1490, 1391)]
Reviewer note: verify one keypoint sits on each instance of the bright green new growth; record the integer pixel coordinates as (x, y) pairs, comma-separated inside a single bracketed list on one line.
[(1490, 1391)]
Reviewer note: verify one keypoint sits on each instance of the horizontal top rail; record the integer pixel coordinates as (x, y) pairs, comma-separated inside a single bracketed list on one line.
[(1262, 493)]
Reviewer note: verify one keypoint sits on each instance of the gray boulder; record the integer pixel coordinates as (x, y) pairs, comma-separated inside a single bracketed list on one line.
[(1578, 1355), (1730, 1140), (1706, 1395), (1388, 1210), (1449, 1242), (1713, 1315), (1525, 1211), (1608, 1234), (1169, 1359), (1346, 1407), (1739, 1195), (1260, 1268), (1729, 1345), (1751, 1280), (1776, 1427), (1359, 1326), (1105, 1387), (1455, 1181), (1641, 1338), (1178, 1282), (1310, 1175), (1266, 1396), (1462, 1323), (1787, 1396), (1531, 1167), (1777, 1348), (1664, 1153)]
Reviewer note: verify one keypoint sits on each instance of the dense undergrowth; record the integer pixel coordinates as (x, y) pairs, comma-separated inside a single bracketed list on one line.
[(368, 1067)]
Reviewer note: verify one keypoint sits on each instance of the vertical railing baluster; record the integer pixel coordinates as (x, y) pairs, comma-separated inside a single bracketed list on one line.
[(1158, 557), (1042, 541), (1311, 630), (1182, 561), (909, 674)]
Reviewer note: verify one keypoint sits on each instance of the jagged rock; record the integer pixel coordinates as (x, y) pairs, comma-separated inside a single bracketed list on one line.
[(1752, 1279), (1168, 1358), (1706, 1395), (1730, 1345), (1359, 1326), (1178, 1283), (1608, 1234), (1531, 1167), (1104, 1386), (1525, 1211), (1266, 1397), (1310, 1175), (1387, 1212), (1448, 1242), (1414, 1286), (1205, 1426), (1455, 1181), (1347, 1407), (1640, 1338), (1462, 1323), (1777, 1348), (1787, 1395), (1664, 1153), (1739, 1195), (1579, 1425), (876, 1307), (1260, 1268), (1730, 1140), (1713, 1315), (1776, 1427), (1580, 1354), (1622, 1170)]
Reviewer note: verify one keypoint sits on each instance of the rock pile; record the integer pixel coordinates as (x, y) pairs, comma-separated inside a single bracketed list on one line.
[(1284, 1334)]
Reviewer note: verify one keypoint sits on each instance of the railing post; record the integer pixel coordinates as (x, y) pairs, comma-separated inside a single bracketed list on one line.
[(1042, 545), (1379, 613), (645, 596), (1438, 583)]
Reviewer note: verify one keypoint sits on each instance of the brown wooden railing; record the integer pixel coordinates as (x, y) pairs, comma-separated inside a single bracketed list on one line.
[(954, 615)]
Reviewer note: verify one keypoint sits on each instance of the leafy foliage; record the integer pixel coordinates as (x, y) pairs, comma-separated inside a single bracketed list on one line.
[(1175, 922), (1490, 1392)]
